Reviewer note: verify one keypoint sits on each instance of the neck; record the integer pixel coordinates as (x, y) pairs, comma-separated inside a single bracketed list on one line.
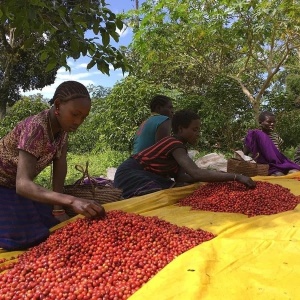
[(55, 126), (180, 138)]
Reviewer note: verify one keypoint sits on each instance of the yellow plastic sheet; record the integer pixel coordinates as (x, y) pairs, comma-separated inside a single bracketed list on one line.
[(251, 258)]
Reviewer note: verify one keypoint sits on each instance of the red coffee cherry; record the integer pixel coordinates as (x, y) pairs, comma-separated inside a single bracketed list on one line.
[(234, 197), (98, 259)]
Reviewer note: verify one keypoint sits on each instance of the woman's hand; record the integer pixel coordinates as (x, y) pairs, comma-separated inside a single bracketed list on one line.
[(88, 208), (247, 181)]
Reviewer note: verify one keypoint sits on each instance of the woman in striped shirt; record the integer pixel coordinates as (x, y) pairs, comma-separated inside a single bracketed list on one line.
[(264, 145), (167, 164)]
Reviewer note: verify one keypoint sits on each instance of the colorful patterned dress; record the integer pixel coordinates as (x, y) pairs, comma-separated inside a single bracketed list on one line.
[(24, 222)]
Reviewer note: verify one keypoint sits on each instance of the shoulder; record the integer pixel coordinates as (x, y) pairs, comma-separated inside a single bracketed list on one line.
[(171, 141), (158, 118), (38, 119)]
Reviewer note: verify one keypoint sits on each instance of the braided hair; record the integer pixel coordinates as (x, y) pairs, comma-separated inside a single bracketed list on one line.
[(159, 100), (183, 118), (69, 90)]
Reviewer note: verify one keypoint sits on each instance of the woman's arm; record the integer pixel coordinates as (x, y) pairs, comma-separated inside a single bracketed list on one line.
[(58, 179), (246, 150), (163, 130), (26, 187), (197, 174), (60, 171)]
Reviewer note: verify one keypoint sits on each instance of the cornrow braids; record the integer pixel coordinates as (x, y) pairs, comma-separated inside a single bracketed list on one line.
[(183, 118), (263, 116), (159, 100), (69, 90)]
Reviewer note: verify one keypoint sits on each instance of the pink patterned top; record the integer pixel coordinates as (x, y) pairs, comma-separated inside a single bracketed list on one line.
[(30, 135)]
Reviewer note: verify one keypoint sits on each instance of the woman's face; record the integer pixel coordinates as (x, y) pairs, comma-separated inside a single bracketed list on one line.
[(191, 133), (72, 113), (167, 110), (268, 124)]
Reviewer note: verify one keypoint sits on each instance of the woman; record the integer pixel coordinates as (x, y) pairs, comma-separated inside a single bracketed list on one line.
[(166, 163), (26, 209), (157, 126), (264, 145)]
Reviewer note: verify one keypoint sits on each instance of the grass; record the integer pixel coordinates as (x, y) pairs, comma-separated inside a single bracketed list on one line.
[(98, 164)]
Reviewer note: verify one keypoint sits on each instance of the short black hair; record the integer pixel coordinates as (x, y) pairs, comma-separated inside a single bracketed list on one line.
[(262, 116), (69, 90), (159, 100), (183, 118)]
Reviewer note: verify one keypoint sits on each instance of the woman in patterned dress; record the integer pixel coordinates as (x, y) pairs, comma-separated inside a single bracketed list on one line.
[(28, 210), (264, 145)]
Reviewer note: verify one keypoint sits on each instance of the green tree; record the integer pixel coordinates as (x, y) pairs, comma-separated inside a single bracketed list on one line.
[(122, 111), (187, 43), (51, 32), (225, 116), (99, 91), (24, 108)]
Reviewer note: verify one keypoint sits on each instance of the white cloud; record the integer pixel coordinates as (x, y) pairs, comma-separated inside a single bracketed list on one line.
[(94, 77), (81, 66), (85, 78), (125, 31), (122, 75)]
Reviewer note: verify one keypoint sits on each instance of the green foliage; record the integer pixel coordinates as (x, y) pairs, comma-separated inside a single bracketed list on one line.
[(33, 45), (69, 22), (98, 164), (225, 116), (87, 137), (24, 108), (186, 44), (288, 127), (293, 89), (290, 152), (122, 111)]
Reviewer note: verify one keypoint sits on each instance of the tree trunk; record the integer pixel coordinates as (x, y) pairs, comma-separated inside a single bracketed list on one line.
[(2, 108), (256, 109), (2, 105)]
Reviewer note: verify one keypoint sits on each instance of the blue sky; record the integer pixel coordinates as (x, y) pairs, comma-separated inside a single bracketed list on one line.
[(78, 67)]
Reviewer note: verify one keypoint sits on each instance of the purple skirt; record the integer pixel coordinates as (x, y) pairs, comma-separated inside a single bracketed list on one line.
[(23, 223)]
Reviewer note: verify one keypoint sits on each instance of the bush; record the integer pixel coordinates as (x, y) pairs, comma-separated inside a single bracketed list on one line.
[(23, 108)]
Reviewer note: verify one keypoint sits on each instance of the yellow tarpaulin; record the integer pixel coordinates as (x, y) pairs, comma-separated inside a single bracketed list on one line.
[(251, 258)]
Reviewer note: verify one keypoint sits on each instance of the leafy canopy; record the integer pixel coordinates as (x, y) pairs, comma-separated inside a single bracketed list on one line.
[(65, 22)]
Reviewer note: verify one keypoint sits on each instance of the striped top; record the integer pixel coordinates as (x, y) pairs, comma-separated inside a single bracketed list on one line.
[(276, 139), (158, 158), (297, 156)]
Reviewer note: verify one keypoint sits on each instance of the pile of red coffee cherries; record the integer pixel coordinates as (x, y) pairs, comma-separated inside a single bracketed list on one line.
[(98, 259), (234, 197)]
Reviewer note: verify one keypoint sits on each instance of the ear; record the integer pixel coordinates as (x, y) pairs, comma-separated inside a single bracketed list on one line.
[(180, 129), (56, 103), (158, 108)]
